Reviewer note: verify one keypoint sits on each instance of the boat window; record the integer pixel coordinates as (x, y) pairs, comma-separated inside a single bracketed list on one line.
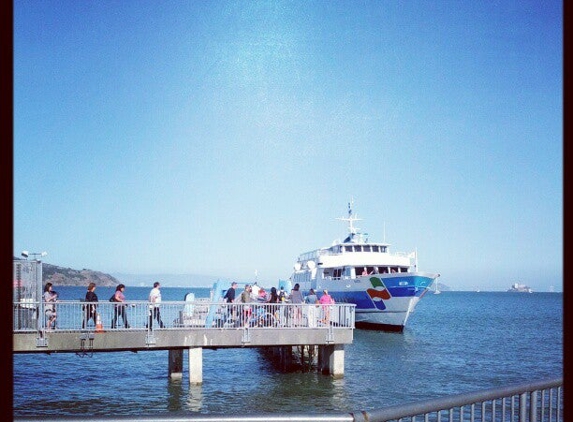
[(403, 269), (375, 248), (337, 273), (348, 248), (383, 270), (348, 272), (382, 248), (394, 269), (366, 248)]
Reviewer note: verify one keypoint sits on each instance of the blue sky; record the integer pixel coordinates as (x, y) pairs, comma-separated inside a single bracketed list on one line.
[(225, 137)]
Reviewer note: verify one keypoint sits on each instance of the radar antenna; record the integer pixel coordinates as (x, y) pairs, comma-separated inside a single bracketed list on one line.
[(352, 230)]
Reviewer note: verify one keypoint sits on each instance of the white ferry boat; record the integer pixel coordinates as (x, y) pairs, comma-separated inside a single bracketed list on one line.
[(384, 286)]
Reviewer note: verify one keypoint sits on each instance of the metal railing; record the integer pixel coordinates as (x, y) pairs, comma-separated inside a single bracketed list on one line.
[(74, 315), (537, 401), (540, 401)]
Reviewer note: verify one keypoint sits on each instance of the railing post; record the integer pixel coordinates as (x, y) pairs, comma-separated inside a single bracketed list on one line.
[(533, 406), (523, 407), (558, 398)]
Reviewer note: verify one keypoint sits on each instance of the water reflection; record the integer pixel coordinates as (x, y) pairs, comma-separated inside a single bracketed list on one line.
[(195, 398), (181, 396)]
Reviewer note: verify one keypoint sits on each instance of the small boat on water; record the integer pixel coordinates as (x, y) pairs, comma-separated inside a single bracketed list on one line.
[(384, 286)]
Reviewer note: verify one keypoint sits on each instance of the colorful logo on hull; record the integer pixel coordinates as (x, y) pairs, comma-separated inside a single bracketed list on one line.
[(379, 293)]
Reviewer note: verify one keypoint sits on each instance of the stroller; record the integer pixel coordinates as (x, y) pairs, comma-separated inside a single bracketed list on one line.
[(261, 318)]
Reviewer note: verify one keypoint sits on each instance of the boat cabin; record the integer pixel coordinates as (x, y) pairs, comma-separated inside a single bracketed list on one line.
[(353, 272)]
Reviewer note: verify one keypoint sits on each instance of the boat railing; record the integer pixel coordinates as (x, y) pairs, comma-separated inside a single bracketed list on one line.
[(74, 315)]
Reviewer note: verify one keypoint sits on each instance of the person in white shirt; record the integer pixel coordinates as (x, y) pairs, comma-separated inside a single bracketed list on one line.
[(155, 300)]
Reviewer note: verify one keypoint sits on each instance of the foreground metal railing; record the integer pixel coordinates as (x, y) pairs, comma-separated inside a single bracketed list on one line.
[(76, 315), (536, 401), (540, 401)]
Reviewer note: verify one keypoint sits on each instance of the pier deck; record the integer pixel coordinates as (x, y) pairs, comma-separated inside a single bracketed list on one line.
[(190, 326)]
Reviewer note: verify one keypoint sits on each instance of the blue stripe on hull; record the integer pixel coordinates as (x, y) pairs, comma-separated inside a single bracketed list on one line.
[(404, 286)]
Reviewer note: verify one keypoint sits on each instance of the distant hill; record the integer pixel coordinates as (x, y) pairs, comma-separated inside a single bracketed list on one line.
[(167, 280), (60, 276)]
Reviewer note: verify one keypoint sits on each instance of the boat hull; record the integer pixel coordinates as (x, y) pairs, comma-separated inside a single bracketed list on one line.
[(383, 301)]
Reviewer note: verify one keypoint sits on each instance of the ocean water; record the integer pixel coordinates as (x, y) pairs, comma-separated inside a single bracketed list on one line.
[(454, 342)]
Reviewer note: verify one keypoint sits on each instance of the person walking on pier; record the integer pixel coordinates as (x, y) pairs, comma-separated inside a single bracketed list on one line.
[(119, 310), (50, 298), (155, 300), (230, 298), (90, 309)]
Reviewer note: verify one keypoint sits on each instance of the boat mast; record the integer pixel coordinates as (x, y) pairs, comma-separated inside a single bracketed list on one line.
[(351, 219)]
